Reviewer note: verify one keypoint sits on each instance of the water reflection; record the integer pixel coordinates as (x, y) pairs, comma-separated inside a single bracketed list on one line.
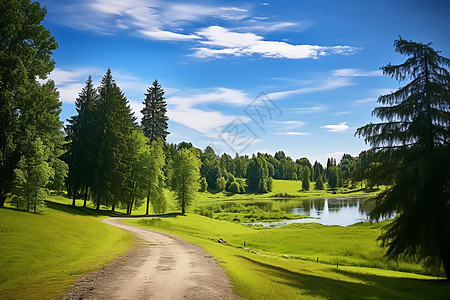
[(328, 211)]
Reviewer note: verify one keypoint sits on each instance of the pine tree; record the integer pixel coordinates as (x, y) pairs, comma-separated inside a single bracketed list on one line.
[(319, 184), (82, 133), (412, 150), (114, 159), (154, 119)]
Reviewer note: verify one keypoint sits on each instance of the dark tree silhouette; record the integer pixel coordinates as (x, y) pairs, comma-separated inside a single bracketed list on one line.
[(411, 147)]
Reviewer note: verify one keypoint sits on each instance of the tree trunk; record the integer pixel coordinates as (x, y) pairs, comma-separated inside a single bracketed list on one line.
[(183, 207), (73, 199), (85, 196), (98, 204), (148, 199), (113, 208), (2, 200)]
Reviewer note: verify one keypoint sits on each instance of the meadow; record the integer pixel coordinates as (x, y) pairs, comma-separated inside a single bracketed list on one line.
[(42, 255), (281, 263)]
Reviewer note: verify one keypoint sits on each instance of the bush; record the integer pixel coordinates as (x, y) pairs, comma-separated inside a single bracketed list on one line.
[(220, 184), (234, 187)]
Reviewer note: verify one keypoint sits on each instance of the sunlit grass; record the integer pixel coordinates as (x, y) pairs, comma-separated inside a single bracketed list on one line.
[(286, 266), (42, 255)]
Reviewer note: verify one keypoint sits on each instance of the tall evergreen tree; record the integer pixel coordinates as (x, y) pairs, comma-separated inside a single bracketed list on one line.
[(114, 160), (412, 146), (154, 119), (26, 47), (82, 133)]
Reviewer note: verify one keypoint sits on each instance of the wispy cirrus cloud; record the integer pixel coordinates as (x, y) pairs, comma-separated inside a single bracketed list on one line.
[(292, 133)]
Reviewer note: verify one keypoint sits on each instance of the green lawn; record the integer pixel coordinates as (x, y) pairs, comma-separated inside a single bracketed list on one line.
[(42, 255), (270, 275)]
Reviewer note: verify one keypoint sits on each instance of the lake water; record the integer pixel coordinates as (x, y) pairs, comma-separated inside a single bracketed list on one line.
[(328, 211)]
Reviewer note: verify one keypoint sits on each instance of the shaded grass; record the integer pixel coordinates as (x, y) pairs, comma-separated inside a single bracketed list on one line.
[(42, 255), (269, 275)]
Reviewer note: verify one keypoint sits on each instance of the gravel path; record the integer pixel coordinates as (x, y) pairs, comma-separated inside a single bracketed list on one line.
[(164, 267)]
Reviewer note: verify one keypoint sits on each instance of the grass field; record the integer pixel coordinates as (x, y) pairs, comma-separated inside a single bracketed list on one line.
[(42, 255), (280, 263)]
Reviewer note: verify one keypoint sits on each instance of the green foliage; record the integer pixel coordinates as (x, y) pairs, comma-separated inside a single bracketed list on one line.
[(32, 176), (234, 187), (220, 184), (411, 151), (269, 184), (154, 119), (203, 185), (27, 109), (84, 133), (257, 175), (334, 177), (156, 177), (305, 179), (185, 177), (319, 184)]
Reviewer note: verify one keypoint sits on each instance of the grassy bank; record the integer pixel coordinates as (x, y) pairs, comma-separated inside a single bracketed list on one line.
[(42, 255), (281, 263)]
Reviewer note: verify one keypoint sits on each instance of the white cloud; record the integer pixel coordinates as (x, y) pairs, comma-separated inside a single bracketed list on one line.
[(191, 110), (204, 121), (348, 72), (222, 42), (309, 110), (325, 85), (341, 127), (70, 82), (290, 124), (165, 35), (292, 133), (365, 100), (181, 22)]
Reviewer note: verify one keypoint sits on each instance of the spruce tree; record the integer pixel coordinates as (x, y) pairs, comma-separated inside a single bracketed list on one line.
[(154, 119), (114, 160), (411, 147), (82, 136)]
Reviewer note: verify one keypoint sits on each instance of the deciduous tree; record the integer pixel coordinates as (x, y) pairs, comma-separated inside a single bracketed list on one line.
[(185, 177)]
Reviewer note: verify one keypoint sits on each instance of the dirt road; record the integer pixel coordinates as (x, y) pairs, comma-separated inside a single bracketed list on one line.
[(167, 267)]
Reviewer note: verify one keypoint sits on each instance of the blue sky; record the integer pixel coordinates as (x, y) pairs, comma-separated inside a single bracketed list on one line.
[(310, 68)]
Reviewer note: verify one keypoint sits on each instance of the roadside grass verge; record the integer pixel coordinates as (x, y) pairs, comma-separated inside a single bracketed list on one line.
[(280, 263), (42, 255)]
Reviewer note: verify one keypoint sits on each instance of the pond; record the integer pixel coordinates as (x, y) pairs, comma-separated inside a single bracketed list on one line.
[(328, 211)]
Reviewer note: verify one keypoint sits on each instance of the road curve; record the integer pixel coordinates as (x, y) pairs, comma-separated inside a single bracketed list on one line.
[(169, 268)]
